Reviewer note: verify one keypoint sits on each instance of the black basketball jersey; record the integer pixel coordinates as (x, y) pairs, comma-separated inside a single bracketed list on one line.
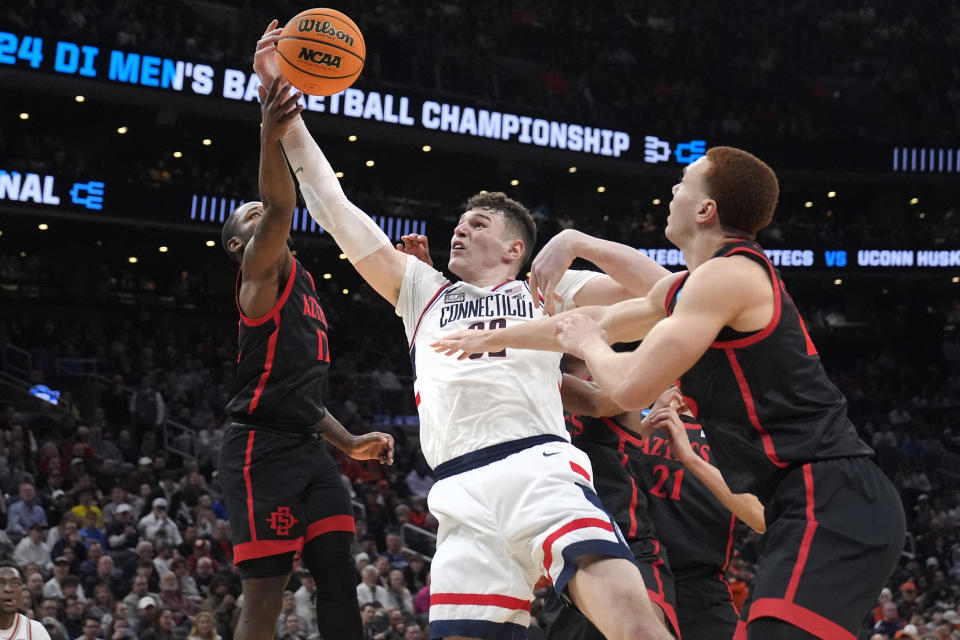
[(694, 526), (284, 359), (763, 396), (613, 452)]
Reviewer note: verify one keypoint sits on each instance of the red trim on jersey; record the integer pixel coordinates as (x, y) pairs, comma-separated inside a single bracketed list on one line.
[(624, 435), (752, 410), (733, 604), (740, 633), (502, 284), (275, 310), (578, 469), (573, 525), (416, 327), (726, 561), (312, 286), (265, 548), (333, 523), (659, 597), (16, 626), (810, 621), (673, 290), (480, 600), (29, 629), (807, 540), (767, 330), (418, 398), (811, 348), (267, 367), (633, 504), (246, 479)]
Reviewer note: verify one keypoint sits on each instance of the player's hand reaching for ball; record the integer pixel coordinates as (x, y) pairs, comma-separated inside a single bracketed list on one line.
[(668, 420), (279, 109), (468, 342), (576, 331), (372, 446), (416, 245), (265, 56)]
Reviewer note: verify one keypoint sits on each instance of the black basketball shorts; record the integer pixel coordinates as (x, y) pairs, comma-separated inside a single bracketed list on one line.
[(835, 530), (281, 491), (705, 608)]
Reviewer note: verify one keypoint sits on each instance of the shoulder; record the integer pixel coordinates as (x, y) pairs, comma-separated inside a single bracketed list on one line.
[(37, 630)]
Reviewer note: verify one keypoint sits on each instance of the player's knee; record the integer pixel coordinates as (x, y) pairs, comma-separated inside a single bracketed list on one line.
[(328, 559)]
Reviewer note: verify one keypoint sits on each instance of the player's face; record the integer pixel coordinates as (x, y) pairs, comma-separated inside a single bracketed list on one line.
[(11, 586), (248, 217), (478, 244), (689, 196)]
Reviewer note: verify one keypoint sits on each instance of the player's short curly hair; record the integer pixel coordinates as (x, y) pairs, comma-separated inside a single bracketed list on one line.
[(744, 187), (516, 218)]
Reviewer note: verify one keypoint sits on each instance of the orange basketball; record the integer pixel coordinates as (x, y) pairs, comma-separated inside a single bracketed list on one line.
[(321, 51)]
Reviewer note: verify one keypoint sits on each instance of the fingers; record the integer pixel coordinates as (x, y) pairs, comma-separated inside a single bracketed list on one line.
[(548, 297), (271, 27)]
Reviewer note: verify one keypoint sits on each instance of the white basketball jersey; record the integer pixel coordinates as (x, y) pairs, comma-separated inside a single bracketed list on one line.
[(489, 398), (25, 629)]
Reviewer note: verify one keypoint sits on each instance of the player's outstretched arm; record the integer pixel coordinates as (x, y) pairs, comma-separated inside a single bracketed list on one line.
[(266, 258), (365, 245), (369, 446), (711, 299), (629, 273), (745, 506), (583, 398)]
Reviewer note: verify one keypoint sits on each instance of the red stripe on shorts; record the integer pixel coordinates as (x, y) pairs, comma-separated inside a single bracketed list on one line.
[(580, 523), (481, 600), (580, 470), (333, 523)]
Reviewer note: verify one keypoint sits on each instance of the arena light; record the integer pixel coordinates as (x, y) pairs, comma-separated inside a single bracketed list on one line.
[(342, 256), (132, 259), (601, 189), (352, 138), (1, 232), (163, 249), (339, 174), (43, 226), (345, 291), (23, 254), (831, 194), (327, 276), (572, 170), (177, 154), (122, 130), (207, 142), (656, 202), (24, 116), (912, 200), (838, 281), (922, 215), (955, 279), (79, 98), (426, 148), (514, 182), (369, 163), (807, 204), (210, 243)]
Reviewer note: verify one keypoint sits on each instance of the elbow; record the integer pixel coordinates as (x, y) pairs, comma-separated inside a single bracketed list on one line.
[(760, 527)]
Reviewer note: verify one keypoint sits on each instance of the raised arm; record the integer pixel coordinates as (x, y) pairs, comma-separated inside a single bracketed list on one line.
[(745, 506), (266, 258), (622, 322), (363, 242), (629, 273)]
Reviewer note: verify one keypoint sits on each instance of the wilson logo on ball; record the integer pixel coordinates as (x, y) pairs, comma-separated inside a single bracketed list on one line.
[(319, 57), (324, 27)]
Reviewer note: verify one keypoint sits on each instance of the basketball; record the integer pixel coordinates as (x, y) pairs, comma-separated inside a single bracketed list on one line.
[(321, 51)]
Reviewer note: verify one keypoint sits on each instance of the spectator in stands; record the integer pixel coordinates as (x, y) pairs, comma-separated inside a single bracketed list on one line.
[(119, 629), (420, 479), (88, 568), (370, 589), (415, 573), (187, 584), (162, 629), (53, 588), (394, 553), (139, 592), (421, 602), (91, 532), (122, 535), (85, 504), (108, 575), (118, 496), (890, 623), (34, 586), (147, 407), (102, 604), (368, 616), (397, 593), (163, 561), (181, 606), (69, 539), (203, 627), (220, 546), (90, 629), (32, 548), (73, 616), (158, 520), (413, 632), (907, 604), (26, 511), (289, 608), (204, 574)]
